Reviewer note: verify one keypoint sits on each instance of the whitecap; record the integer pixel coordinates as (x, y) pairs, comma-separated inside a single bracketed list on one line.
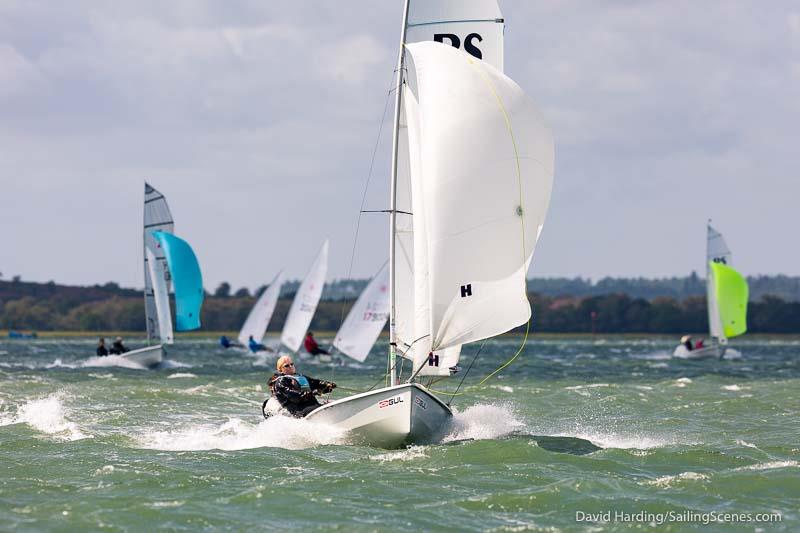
[(47, 415), (770, 466), (409, 454), (666, 481), (483, 421), (181, 375), (236, 434)]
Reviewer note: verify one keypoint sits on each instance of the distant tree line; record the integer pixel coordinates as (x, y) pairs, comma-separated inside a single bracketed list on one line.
[(47, 306)]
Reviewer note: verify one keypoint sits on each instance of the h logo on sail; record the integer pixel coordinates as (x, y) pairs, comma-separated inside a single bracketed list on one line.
[(466, 290), (433, 359)]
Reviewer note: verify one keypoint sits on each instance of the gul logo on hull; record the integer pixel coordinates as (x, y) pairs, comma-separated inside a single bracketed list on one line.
[(390, 402)]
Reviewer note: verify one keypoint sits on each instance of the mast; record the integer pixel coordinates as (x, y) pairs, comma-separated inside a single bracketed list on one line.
[(393, 198)]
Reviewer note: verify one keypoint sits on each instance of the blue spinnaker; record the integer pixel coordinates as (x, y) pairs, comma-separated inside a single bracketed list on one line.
[(187, 280)]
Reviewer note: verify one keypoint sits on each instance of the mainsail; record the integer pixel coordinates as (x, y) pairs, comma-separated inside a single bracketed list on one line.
[(156, 218), (475, 26), (366, 319), (305, 302), (726, 290), (259, 317)]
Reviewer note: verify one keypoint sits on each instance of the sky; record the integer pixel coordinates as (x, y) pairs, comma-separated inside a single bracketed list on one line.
[(258, 121)]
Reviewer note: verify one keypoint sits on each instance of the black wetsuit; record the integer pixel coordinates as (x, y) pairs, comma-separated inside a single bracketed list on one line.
[(102, 350), (117, 348), (297, 400)]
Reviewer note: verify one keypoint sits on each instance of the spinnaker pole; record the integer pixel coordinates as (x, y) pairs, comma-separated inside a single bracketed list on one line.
[(393, 198)]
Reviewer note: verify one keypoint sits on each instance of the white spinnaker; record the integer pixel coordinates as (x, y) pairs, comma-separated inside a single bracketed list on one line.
[(716, 251), (156, 218), (160, 295), (475, 26), (366, 319), (487, 172), (261, 313), (305, 302)]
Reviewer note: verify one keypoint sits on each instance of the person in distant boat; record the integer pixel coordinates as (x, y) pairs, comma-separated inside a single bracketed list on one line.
[(257, 346), (311, 345), (686, 340), (118, 348), (101, 347), (294, 391), (226, 343), (699, 344)]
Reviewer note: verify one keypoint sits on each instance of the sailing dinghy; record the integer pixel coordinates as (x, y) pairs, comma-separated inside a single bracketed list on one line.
[(257, 321), (167, 260), (726, 299), (305, 302), (472, 170)]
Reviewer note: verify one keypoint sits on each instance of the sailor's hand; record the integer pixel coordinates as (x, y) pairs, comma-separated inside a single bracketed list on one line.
[(307, 395), (329, 386)]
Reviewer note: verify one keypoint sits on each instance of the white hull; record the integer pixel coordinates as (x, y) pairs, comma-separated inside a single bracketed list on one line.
[(148, 356), (391, 417), (707, 352)]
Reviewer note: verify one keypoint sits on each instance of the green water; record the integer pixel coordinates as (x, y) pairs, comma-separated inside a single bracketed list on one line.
[(86, 445)]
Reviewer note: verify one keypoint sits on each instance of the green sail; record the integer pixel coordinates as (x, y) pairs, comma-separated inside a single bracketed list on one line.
[(730, 290)]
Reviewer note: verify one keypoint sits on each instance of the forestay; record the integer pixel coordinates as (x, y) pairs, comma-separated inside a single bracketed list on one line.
[(485, 176), (187, 278), (305, 302), (156, 218), (259, 317), (366, 319)]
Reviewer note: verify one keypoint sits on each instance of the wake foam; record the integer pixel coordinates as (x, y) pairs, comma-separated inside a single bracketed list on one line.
[(236, 434), (483, 422), (47, 415)]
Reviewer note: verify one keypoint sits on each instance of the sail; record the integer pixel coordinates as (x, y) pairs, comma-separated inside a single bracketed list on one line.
[(486, 159), (731, 293), (156, 218), (159, 278), (259, 317), (187, 278), (366, 319), (305, 302), (474, 26), (717, 251)]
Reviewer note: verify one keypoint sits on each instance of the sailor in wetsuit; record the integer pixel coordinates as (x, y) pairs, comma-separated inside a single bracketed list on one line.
[(294, 391)]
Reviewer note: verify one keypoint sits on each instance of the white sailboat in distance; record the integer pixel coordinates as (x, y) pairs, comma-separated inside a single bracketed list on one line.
[(726, 300), (167, 260), (305, 302), (257, 321), (472, 171)]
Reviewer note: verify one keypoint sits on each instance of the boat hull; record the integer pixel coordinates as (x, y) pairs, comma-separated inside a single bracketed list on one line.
[(149, 356), (707, 352), (391, 417)]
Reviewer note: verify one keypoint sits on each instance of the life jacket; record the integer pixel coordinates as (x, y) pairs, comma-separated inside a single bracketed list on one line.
[(302, 381)]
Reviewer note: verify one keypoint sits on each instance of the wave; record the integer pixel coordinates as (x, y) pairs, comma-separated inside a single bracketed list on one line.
[(47, 415), (236, 434), (484, 422)]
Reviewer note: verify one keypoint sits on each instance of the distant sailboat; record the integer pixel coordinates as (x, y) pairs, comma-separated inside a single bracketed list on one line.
[(255, 326), (471, 179), (726, 299), (305, 302), (366, 319), (167, 260)]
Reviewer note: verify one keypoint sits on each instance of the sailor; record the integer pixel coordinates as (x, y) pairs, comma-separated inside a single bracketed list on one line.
[(311, 345), (294, 391), (117, 348), (256, 346), (225, 342), (101, 347), (686, 340)]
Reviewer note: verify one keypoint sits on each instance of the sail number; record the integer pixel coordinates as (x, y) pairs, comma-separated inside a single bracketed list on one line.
[(720, 260), (454, 41)]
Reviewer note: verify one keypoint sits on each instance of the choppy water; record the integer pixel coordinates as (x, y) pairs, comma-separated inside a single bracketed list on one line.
[(86, 444)]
